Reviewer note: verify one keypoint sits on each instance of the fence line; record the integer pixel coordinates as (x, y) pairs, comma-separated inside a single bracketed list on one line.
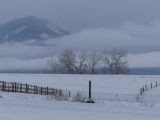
[(30, 89), (34, 89), (148, 87)]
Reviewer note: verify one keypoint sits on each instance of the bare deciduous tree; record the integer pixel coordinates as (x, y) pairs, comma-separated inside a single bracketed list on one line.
[(67, 60), (82, 62), (115, 61), (93, 61), (52, 65)]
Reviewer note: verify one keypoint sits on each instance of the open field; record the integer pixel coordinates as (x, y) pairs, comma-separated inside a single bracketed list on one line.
[(116, 98)]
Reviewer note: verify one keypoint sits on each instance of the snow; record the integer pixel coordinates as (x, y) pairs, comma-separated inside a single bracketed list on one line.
[(20, 29), (115, 98), (56, 28), (45, 36)]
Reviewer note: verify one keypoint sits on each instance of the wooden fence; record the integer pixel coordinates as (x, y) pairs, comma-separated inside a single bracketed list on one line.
[(146, 88), (30, 89)]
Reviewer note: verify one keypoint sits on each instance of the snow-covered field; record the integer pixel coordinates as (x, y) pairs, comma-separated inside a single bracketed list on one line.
[(116, 98)]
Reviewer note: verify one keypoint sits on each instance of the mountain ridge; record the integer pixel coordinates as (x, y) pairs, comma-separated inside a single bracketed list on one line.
[(28, 28)]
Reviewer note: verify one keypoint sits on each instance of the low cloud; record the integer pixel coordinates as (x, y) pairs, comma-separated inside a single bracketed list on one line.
[(144, 60), (11, 64)]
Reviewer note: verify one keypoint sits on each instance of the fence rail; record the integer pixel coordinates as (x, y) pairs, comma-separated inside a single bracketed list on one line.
[(30, 89)]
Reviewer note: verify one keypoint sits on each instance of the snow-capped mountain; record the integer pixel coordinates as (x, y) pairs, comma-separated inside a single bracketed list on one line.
[(31, 27)]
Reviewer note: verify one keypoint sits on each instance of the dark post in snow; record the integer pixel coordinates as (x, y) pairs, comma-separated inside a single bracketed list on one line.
[(151, 85), (156, 83), (34, 89), (47, 90), (41, 90), (141, 91), (26, 88), (20, 88), (3, 86), (12, 87), (60, 92), (89, 89), (52, 91), (145, 87), (15, 87)]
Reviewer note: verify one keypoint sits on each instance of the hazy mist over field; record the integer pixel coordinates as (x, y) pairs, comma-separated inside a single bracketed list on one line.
[(101, 24)]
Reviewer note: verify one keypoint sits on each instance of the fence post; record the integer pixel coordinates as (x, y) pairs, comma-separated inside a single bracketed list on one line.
[(60, 92), (69, 94), (55, 91), (20, 88), (34, 90), (140, 91), (12, 87), (3, 86), (151, 85), (89, 89), (26, 88), (15, 87), (145, 87), (156, 83), (52, 91), (41, 90), (47, 90)]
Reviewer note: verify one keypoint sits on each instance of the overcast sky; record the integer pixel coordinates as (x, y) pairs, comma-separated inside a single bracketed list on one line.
[(108, 13), (130, 24)]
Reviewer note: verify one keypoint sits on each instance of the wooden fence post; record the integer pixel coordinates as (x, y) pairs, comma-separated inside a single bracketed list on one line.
[(141, 91), (145, 87), (20, 88), (60, 92), (52, 91), (89, 89), (47, 90), (151, 85), (3, 86), (69, 94), (34, 89), (41, 90), (156, 83), (15, 87), (55, 91), (12, 87), (26, 88)]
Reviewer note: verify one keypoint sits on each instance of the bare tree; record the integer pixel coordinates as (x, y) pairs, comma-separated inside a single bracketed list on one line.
[(116, 61), (67, 60), (53, 65), (68, 63), (82, 62), (93, 61)]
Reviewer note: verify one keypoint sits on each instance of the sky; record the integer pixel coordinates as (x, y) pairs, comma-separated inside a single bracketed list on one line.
[(108, 24)]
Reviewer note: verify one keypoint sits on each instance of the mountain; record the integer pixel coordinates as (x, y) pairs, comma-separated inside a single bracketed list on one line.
[(29, 28)]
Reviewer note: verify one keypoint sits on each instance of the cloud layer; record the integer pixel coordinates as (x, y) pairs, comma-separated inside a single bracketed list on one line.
[(102, 13)]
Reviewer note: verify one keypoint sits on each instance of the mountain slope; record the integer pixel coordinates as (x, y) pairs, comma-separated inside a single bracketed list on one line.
[(28, 28)]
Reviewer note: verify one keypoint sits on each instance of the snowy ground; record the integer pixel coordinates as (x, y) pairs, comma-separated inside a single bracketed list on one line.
[(115, 96)]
